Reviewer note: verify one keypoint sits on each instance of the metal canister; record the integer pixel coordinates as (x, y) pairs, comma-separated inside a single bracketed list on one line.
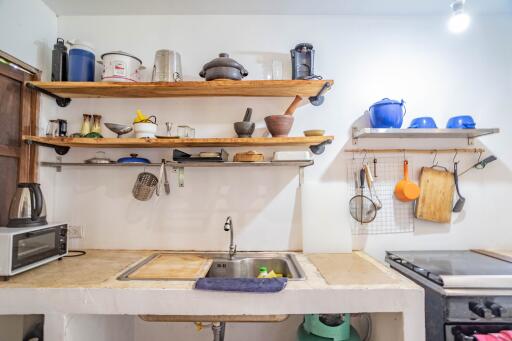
[(167, 67), (63, 127)]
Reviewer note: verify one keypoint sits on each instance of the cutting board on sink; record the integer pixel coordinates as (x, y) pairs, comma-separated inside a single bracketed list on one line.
[(435, 202), (169, 266)]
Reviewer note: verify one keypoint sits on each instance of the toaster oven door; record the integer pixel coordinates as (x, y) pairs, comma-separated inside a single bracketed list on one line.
[(32, 247)]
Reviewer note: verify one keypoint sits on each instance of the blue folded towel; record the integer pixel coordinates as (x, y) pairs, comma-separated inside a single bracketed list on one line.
[(242, 284)]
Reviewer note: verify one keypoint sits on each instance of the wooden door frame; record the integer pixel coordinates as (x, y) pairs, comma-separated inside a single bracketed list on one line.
[(29, 105)]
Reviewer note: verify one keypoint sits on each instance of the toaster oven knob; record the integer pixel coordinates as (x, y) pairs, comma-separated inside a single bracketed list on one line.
[(480, 310), (496, 309)]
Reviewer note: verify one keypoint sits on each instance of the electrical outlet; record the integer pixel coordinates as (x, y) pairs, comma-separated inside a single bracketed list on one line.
[(75, 232)]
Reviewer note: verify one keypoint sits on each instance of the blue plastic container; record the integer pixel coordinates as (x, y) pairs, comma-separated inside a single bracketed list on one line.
[(387, 113), (461, 122), (81, 63), (422, 123)]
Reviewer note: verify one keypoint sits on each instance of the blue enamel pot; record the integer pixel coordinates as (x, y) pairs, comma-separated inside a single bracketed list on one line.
[(387, 113)]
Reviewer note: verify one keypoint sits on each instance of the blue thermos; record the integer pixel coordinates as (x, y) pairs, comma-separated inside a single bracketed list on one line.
[(81, 62)]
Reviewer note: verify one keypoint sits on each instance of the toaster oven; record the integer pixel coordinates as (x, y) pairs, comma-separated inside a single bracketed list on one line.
[(25, 248)]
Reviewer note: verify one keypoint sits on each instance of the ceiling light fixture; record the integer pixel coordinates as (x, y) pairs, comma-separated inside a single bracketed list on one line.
[(460, 20)]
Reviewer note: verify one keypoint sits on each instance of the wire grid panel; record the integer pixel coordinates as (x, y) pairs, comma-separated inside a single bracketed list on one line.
[(394, 216)]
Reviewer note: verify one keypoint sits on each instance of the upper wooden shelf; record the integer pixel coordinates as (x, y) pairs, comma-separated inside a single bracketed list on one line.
[(179, 142), (245, 88)]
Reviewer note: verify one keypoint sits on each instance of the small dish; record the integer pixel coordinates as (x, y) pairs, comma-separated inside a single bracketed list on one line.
[(314, 132), (166, 137)]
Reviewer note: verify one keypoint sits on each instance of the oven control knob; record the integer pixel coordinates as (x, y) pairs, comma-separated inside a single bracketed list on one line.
[(496, 309), (480, 310)]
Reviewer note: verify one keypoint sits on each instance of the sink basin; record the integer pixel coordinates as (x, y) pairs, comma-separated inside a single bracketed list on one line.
[(247, 266), (244, 265)]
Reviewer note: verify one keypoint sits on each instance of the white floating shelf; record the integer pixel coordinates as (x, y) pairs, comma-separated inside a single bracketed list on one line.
[(469, 134)]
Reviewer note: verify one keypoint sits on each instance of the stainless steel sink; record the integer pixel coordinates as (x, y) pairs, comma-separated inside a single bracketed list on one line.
[(245, 265), (248, 265)]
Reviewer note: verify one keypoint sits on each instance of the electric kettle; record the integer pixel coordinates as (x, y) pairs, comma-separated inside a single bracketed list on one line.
[(27, 206)]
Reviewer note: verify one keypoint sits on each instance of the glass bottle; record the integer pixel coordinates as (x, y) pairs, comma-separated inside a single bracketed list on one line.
[(96, 125), (86, 125)]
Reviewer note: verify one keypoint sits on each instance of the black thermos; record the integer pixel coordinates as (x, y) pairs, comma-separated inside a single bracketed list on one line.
[(59, 61)]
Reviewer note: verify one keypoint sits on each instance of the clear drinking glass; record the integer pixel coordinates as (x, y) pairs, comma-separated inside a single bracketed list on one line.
[(183, 131), (277, 69), (191, 132), (52, 129)]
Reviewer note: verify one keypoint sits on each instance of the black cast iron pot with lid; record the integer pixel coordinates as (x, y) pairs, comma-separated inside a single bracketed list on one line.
[(223, 67)]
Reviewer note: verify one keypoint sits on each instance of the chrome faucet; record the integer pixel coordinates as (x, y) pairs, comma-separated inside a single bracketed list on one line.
[(228, 226)]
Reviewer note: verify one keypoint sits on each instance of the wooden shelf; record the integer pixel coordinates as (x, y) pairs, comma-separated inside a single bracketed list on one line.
[(175, 143), (245, 88)]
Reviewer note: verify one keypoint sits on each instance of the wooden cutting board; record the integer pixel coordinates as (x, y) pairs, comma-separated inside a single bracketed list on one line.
[(436, 195), (173, 266)]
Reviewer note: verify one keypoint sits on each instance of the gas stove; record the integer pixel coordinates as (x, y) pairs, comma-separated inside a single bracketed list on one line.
[(466, 292)]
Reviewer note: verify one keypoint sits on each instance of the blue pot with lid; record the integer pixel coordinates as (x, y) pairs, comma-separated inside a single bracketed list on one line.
[(133, 158), (387, 113)]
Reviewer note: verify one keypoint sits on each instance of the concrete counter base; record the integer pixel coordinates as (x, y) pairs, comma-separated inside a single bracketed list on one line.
[(89, 285)]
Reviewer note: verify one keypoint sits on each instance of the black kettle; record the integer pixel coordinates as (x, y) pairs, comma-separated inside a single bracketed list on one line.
[(27, 206)]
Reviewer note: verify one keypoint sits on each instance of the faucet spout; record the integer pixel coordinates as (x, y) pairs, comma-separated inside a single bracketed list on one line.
[(228, 226)]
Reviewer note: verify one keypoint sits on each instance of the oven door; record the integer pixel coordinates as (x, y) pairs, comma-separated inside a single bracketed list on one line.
[(467, 332), (32, 247)]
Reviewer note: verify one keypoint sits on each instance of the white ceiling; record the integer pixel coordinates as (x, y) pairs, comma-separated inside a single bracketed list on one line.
[(348, 7)]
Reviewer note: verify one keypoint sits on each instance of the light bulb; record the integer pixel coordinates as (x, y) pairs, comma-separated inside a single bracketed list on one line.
[(459, 22)]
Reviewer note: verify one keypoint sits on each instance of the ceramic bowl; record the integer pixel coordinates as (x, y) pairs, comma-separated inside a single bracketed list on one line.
[(314, 132), (423, 122), (279, 125), (144, 130), (461, 122)]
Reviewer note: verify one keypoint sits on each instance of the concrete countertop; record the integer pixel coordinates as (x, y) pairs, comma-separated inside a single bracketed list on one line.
[(89, 285), (100, 269)]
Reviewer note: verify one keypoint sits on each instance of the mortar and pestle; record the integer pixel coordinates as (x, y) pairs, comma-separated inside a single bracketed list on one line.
[(280, 125), (246, 127)]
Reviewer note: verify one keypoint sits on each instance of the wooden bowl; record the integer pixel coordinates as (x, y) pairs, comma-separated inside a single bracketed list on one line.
[(314, 132), (279, 125)]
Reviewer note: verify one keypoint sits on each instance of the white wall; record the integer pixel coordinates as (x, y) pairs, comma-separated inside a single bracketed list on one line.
[(29, 30), (369, 58)]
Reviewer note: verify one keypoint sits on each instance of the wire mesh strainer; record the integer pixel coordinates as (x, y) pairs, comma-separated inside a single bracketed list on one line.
[(145, 186)]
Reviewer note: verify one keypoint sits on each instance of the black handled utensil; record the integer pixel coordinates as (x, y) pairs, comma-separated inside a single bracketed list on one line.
[(459, 205)]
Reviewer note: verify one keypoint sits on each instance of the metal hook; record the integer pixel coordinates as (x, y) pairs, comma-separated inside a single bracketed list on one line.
[(434, 163), (455, 155), (364, 157)]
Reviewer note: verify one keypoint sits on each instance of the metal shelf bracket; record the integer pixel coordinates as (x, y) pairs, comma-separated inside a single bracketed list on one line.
[(319, 98), (319, 148), (60, 150), (61, 101)]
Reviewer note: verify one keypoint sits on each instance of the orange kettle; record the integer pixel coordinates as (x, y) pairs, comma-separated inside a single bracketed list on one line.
[(406, 190)]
